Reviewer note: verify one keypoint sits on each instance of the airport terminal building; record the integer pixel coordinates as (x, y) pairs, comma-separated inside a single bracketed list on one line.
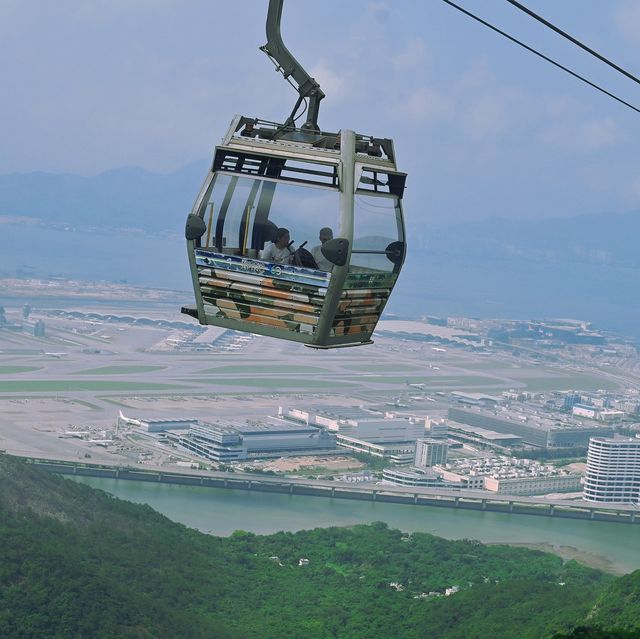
[(237, 441)]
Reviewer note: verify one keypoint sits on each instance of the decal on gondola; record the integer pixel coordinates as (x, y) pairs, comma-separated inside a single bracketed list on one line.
[(238, 264), (278, 296), (370, 280)]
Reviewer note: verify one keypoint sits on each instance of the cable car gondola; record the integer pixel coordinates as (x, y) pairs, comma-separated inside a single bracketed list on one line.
[(269, 178)]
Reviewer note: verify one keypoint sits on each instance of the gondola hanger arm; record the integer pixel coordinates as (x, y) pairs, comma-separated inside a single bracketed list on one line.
[(291, 69)]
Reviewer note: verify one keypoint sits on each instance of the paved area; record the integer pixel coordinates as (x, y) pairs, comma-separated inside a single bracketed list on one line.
[(61, 393)]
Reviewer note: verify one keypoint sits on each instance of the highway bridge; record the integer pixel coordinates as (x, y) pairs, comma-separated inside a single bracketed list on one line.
[(419, 496)]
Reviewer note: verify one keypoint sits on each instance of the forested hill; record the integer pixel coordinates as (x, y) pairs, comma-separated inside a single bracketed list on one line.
[(75, 562)]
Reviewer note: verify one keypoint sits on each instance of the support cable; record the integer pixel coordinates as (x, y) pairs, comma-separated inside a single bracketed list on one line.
[(540, 55), (575, 41)]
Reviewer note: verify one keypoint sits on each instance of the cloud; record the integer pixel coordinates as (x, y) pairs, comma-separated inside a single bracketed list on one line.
[(591, 135), (413, 55), (488, 107), (632, 190), (424, 105), (558, 106), (332, 82), (486, 116), (478, 76), (600, 133), (627, 21), (379, 11)]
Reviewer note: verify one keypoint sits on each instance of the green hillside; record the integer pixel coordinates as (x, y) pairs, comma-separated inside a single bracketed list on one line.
[(75, 562), (619, 605)]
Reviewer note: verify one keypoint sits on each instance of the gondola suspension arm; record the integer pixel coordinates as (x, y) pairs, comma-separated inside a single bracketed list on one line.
[(291, 69)]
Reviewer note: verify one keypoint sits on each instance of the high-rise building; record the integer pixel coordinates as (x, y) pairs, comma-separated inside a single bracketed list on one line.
[(430, 452), (570, 400), (613, 470), (38, 328)]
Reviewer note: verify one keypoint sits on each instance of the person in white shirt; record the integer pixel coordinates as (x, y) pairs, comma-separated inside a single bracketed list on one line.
[(278, 252), (323, 263)]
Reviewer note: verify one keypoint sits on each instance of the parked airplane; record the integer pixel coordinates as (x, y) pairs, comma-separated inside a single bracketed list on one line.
[(128, 420)]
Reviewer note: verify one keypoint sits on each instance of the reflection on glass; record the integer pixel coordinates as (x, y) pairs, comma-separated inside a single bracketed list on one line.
[(267, 205), (377, 223)]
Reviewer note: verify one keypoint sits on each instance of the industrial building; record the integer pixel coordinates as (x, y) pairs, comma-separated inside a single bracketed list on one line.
[(363, 431), (437, 429), (535, 430), (613, 470), (163, 425), (483, 437), (397, 451), (338, 419), (271, 438)]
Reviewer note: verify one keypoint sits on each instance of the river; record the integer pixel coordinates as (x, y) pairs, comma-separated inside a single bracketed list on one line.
[(610, 546)]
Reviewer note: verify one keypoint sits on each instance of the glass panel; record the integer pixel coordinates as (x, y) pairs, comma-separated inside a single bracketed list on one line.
[(377, 224), (303, 210)]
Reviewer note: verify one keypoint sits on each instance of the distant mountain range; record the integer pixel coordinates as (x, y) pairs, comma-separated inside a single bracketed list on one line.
[(605, 239), (129, 197), (132, 197), (127, 224)]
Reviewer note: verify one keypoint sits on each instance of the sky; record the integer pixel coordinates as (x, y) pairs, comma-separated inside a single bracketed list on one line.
[(483, 128)]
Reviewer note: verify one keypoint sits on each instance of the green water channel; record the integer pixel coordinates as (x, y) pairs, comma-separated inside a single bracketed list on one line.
[(221, 511)]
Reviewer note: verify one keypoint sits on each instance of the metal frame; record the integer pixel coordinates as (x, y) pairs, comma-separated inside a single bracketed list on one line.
[(347, 165)]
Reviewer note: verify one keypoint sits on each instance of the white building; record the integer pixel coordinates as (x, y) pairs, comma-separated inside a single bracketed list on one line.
[(583, 410), (541, 485), (613, 470), (597, 412), (412, 477), (509, 476), (471, 479), (430, 452)]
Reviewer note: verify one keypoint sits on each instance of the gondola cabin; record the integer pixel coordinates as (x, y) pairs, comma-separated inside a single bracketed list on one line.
[(327, 294)]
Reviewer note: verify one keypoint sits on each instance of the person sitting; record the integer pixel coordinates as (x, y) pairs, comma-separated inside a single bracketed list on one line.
[(323, 263), (278, 251)]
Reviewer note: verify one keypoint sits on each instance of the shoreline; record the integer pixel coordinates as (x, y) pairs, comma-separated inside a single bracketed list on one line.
[(568, 553)]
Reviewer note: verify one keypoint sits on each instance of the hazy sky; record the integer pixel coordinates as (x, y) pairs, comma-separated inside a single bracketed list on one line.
[(482, 127)]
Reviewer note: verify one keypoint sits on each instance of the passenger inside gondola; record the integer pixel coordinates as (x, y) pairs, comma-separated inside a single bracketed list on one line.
[(278, 251), (322, 262)]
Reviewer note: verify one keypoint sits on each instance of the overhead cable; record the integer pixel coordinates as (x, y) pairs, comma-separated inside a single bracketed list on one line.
[(540, 55), (575, 41)]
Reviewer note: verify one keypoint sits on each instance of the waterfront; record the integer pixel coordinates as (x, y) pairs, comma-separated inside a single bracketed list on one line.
[(221, 511)]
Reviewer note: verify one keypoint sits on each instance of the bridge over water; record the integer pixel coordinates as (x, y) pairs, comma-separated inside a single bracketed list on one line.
[(419, 496)]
